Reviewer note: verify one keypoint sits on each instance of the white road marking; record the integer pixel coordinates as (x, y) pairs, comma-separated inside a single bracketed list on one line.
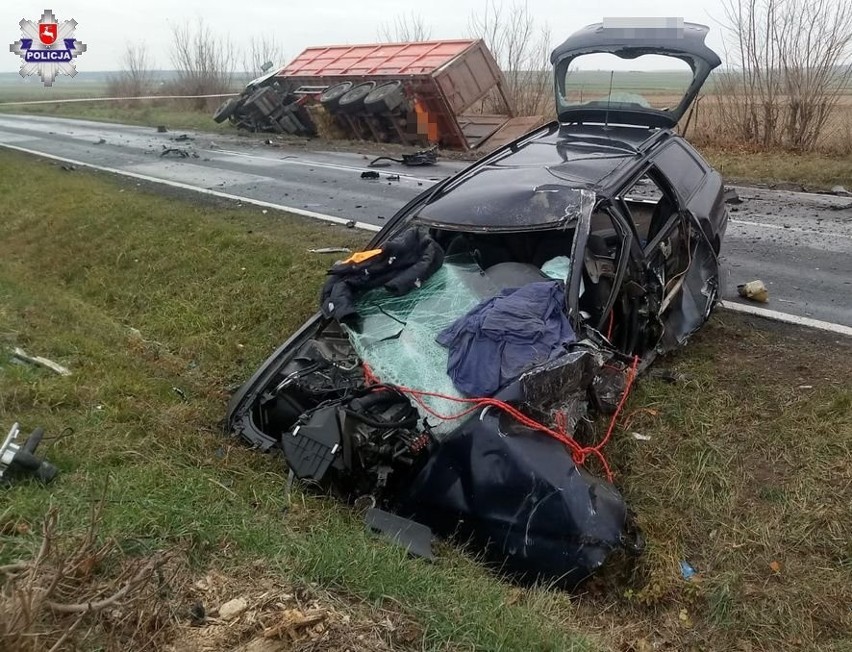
[(733, 306), (204, 191), (797, 229), (787, 318)]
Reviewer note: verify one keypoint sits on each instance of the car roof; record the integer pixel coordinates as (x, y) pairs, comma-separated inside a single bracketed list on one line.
[(570, 165)]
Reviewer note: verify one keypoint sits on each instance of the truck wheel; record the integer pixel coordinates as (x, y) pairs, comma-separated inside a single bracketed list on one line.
[(384, 98), (353, 101), (330, 97), (226, 110)]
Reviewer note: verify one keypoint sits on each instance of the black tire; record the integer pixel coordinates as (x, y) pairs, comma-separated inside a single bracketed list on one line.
[(353, 101), (331, 95), (226, 110), (384, 98)]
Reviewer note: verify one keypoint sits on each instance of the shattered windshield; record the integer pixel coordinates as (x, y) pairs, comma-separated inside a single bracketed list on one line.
[(397, 335)]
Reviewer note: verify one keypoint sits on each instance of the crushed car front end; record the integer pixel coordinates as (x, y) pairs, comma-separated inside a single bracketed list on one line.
[(467, 369)]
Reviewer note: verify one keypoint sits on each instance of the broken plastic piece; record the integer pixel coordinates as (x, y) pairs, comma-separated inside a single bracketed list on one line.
[(686, 570), (414, 537), (312, 446), (361, 256), (20, 354), (754, 290), (330, 250)]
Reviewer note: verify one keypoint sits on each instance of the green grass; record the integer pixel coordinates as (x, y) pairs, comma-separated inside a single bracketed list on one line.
[(139, 294), (210, 292), (149, 114)]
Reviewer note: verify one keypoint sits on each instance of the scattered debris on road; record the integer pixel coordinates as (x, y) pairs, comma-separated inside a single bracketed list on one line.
[(161, 129), (369, 174), (732, 197), (754, 291), (182, 138), (177, 152), (422, 157), (19, 354)]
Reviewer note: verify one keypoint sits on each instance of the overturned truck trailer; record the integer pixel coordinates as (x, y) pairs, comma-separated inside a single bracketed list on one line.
[(418, 93), (414, 93)]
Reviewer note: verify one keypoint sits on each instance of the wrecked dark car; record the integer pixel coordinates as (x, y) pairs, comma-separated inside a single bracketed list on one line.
[(456, 368)]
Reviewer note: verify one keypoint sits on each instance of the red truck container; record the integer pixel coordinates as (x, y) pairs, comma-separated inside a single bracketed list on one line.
[(446, 78)]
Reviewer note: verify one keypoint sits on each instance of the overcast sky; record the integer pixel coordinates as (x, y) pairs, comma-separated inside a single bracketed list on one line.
[(107, 27)]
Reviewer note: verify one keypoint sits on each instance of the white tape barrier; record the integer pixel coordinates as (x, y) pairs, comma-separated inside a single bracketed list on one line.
[(117, 99)]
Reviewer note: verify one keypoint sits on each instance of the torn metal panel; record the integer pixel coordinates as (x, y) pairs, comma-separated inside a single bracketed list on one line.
[(517, 495)]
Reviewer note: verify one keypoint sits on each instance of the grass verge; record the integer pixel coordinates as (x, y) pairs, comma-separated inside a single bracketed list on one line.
[(138, 295), (144, 114), (746, 474)]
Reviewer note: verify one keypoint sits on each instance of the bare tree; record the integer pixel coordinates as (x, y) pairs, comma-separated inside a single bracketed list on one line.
[(522, 49), (203, 61), (403, 28), (136, 77), (262, 50), (792, 62)]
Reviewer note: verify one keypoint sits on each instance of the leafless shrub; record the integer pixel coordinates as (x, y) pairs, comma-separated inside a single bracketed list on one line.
[(135, 78), (792, 62), (405, 28), (522, 49), (262, 50), (44, 601), (203, 61)]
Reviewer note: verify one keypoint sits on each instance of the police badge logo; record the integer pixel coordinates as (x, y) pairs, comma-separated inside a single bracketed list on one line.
[(48, 47)]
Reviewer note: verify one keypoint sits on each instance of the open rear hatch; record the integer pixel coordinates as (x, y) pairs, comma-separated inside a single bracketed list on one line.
[(594, 96)]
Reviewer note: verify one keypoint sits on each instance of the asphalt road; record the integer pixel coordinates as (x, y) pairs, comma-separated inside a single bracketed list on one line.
[(799, 244)]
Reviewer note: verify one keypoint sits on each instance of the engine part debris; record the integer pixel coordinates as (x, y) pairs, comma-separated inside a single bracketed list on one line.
[(21, 458), (369, 174), (422, 157), (754, 291), (19, 354), (414, 537)]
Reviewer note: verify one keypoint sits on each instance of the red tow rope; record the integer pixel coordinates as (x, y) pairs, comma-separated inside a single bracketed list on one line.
[(579, 453)]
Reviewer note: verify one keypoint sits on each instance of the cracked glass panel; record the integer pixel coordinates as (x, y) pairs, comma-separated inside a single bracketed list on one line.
[(396, 336)]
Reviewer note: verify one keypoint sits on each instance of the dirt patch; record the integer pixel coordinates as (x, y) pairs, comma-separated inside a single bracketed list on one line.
[(248, 610)]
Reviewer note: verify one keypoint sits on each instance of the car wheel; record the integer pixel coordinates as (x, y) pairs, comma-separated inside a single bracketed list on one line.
[(226, 110), (386, 97), (330, 97), (353, 100)]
